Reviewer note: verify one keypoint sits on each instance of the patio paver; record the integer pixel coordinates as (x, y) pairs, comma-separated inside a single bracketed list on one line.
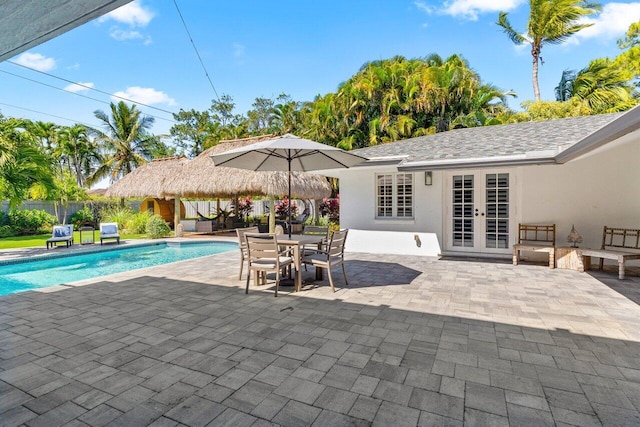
[(411, 341)]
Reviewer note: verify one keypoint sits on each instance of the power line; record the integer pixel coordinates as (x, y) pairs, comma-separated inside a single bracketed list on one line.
[(196, 49), (75, 93), (47, 114), (91, 88)]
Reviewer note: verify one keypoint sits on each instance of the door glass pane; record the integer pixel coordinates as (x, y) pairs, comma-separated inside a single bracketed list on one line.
[(463, 210), (497, 211)]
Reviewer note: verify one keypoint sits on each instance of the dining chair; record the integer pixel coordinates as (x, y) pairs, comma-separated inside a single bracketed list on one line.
[(242, 243), (314, 230), (265, 256), (330, 258)]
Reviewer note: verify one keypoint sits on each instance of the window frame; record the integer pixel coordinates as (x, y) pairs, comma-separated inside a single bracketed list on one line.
[(398, 196)]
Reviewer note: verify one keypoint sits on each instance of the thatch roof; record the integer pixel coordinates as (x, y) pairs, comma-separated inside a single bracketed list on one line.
[(148, 180), (199, 178)]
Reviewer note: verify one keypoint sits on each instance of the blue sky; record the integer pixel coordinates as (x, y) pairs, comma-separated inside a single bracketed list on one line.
[(263, 48)]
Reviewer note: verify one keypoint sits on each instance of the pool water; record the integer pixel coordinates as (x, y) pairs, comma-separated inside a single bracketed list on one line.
[(29, 275)]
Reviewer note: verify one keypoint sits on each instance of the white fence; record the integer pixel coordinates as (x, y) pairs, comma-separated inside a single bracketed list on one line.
[(193, 209), (47, 206)]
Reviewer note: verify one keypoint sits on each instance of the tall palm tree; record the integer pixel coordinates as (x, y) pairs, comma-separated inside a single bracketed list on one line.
[(125, 142), (78, 151), (550, 22)]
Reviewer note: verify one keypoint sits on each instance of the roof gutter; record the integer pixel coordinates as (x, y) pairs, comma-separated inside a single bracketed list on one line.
[(519, 160), (613, 130)]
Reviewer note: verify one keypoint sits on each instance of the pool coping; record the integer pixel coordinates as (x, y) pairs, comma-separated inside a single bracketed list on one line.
[(92, 250)]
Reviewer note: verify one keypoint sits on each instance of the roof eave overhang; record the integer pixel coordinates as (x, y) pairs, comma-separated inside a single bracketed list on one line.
[(613, 130), (475, 164)]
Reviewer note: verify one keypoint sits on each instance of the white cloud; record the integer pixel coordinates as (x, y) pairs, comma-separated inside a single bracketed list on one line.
[(612, 22), (144, 95), (423, 7), (36, 61), (468, 9), (79, 87), (133, 14), (120, 35)]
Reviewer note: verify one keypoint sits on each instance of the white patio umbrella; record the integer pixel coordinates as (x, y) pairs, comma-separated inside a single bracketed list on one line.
[(287, 153)]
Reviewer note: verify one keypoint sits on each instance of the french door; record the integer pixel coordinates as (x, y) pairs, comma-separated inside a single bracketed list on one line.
[(480, 210)]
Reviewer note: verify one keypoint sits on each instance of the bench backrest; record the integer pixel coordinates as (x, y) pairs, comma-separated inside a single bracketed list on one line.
[(627, 238), (537, 233)]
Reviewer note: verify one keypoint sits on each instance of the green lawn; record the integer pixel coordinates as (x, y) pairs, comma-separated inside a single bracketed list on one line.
[(40, 240)]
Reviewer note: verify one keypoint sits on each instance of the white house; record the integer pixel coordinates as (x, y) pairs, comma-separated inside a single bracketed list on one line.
[(465, 191)]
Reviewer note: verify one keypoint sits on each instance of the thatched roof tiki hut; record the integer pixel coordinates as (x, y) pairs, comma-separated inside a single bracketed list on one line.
[(150, 180), (198, 178)]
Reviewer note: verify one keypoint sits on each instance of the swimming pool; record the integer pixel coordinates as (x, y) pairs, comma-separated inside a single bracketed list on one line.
[(33, 274)]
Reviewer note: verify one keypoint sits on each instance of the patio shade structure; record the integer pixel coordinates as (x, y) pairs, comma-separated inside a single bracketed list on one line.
[(201, 178), (288, 153), (177, 177), (150, 180)]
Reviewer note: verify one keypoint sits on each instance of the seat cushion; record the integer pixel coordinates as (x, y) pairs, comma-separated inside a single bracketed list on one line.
[(59, 232), (109, 230)]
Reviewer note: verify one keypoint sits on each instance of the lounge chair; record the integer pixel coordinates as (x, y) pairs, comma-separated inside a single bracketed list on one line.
[(109, 230), (61, 233), (330, 258)]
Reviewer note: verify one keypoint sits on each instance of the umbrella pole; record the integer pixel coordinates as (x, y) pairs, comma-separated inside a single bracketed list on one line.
[(290, 205)]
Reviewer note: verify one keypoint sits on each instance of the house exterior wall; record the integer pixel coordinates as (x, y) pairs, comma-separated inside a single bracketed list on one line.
[(590, 192), (600, 189), (418, 236)]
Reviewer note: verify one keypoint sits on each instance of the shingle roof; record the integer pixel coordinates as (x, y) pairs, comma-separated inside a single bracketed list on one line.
[(492, 141)]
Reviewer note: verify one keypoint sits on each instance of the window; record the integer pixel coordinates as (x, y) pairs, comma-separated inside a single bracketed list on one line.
[(394, 195)]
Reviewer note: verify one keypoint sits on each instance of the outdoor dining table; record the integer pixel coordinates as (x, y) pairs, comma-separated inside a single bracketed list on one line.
[(297, 242)]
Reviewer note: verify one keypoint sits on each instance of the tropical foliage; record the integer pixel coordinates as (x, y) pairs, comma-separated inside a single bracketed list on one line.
[(550, 22), (398, 98), (24, 166), (125, 142)]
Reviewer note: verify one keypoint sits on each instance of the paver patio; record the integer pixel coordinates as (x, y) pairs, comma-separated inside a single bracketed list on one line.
[(411, 341)]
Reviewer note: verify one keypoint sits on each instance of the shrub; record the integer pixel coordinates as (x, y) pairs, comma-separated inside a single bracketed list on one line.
[(82, 216), (156, 227), (331, 209), (282, 208), (25, 222), (118, 214), (6, 231), (137, 223)]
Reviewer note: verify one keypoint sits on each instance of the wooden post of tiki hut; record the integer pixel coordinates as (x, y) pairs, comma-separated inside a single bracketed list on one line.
[(170, 210)]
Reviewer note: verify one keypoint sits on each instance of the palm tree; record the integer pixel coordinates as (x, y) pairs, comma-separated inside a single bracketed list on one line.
[(125, 142), (602, 86), (550, 22), (78, 151), (23, 164)]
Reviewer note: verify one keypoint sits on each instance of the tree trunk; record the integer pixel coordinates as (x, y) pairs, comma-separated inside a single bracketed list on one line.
[(535, 53)]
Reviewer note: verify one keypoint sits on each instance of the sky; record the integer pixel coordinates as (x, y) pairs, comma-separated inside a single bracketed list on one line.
[(251, 49)]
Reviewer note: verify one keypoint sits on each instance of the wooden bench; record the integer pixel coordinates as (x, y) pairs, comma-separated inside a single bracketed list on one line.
[(536, 238), (620, 244)]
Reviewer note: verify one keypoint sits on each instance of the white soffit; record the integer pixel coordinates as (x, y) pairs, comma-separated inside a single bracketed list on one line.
[(28, 23)]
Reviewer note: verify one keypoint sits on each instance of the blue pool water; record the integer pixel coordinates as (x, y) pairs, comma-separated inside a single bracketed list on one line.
[(55, 271)]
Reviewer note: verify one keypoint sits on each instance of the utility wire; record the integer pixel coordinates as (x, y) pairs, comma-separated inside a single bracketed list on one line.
[(74, 93), (91, 88), (196, 49), (47, 114)]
